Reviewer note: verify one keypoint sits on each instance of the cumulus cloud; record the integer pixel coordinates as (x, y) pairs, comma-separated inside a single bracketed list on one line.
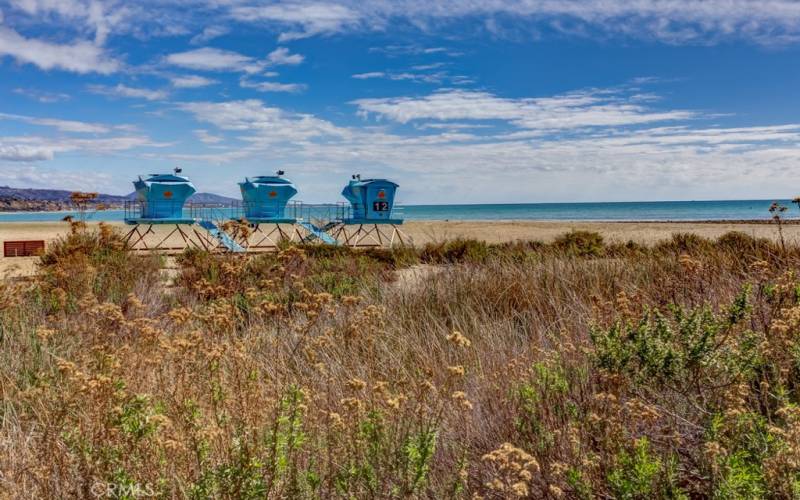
[(35, 147), (574, 110), (674, 21), (309, 18), (121, 90), (78, 57), (605, 141), (212, 59), (204, 136), (414, 76), (54, 178), (260, 123), (209, 33), (61, 125), (24, 153), (191, 81), (369, 74), (96, 15), (41, 95), (272, 86), (282, 56)]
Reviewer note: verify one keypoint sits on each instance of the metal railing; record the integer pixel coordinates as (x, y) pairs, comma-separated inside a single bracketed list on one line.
[(175, 210), (320, 214), (154, 210)]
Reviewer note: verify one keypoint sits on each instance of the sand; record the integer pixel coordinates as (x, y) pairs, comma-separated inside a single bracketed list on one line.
[(426, 231)]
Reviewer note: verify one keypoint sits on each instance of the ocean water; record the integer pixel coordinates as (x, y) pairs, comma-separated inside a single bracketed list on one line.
[(610, 211)]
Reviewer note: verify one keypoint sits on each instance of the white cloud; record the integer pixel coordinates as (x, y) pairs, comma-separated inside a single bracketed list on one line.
[(209, 33), (24, 153), (53, 178), (281, 56), (426, 67), (435, 77), (31, 148), (312, 18), (61, 125), (41, 95), (78, 57), (211, 59), (272, 86), (580, 109), (670, 21), (414, 50), (191, 81), (97, 16), (204, 136), (262, 124), (369, 74), (673, 21), (584, 145), (121, 90)]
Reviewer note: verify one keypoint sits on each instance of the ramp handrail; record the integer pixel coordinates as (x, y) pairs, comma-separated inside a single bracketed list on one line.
[(317, 232), (223, 237)]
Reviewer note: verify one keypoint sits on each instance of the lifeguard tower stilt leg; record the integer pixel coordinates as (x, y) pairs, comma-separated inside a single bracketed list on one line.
[(371, 235), (267, 236)]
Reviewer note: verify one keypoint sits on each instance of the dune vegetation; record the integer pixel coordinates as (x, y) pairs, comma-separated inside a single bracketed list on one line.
[(573, 369)]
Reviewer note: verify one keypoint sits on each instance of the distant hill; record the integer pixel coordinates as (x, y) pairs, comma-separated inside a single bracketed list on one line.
[(56, 195), (211, 198), (28, 199)]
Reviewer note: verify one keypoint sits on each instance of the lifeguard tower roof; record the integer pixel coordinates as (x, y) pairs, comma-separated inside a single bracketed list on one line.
[(371, 200), (161, 198), (265, 198)]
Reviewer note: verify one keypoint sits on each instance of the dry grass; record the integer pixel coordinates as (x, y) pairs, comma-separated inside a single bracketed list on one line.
[(575, 369)]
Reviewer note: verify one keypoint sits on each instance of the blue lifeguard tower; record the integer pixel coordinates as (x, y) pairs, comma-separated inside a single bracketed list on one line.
[(161, 200), (264, 198), (265, 203), (371, 201), (371, 218)]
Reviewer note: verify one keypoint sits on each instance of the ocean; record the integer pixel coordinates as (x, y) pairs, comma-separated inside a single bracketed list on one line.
[(600, 211)]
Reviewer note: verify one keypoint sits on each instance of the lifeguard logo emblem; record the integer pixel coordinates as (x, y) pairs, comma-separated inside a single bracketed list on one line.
[(273, 194), (167, 194), (381, 194)]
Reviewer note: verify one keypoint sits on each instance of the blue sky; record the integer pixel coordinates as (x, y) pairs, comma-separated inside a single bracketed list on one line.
[(457, 101)]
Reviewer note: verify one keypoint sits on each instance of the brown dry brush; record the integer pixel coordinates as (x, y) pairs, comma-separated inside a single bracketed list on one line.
[(576, 369)]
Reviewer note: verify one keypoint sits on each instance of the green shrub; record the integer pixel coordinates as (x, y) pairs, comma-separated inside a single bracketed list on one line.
[(458, 250), (580, 243)]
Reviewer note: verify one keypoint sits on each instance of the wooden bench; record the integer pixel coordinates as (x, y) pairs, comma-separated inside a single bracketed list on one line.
[(23, 248)]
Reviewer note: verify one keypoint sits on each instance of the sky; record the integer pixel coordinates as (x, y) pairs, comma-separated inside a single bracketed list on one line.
[(458, 101)]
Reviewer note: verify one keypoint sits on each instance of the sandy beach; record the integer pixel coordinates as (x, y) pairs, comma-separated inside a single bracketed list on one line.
[(427, 231)]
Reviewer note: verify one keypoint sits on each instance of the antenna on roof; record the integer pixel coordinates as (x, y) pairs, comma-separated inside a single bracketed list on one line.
[(178, 170), (357, 177), (280, 173)]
